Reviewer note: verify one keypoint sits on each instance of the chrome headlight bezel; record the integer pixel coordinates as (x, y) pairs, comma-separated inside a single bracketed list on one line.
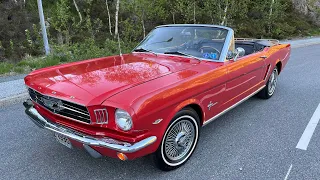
[(123, 120)]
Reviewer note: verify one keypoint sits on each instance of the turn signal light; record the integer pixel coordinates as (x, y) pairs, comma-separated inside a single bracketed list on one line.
[(122, 156)]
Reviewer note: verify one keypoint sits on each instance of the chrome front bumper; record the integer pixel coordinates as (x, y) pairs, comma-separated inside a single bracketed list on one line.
[(87, 141)]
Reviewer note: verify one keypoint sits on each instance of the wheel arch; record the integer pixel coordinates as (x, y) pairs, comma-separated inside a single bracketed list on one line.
[(193, 104), (197, 108), (279, 66)]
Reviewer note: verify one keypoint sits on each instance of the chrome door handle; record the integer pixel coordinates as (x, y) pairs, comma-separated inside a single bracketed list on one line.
[(264, 57)]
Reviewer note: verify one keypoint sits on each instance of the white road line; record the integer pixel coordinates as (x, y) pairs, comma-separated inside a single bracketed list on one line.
[(288, 173), (308, 132)]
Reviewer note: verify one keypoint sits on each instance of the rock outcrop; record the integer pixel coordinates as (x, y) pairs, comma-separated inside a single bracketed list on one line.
[(309, 8)]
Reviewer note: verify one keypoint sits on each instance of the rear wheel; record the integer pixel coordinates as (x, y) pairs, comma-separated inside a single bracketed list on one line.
[(271, 85), (179, 140)]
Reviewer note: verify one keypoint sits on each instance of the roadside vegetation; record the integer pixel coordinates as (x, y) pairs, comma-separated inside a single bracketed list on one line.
[(84, 29)]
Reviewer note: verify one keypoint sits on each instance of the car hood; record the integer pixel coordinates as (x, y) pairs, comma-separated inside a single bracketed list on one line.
[(103, 77)]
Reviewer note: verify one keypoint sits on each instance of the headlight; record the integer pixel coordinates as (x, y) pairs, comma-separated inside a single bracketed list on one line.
[(123, 119)]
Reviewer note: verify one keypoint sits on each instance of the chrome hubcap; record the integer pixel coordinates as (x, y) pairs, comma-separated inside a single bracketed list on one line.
[(179, 140), (272, 82)]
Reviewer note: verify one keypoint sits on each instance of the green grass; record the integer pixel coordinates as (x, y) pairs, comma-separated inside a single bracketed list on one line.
[(315, 32), (5, 67), (32, 63)]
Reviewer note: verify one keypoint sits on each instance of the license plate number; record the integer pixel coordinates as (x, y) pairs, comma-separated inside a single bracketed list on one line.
[(63, 140)]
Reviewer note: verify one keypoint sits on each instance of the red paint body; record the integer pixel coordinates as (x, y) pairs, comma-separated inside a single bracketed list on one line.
[(152, 87)]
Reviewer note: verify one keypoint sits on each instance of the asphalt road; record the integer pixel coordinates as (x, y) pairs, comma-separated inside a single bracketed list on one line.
[(256, 140)]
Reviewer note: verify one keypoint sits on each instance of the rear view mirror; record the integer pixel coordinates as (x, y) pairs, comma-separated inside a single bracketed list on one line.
[(239, 53)]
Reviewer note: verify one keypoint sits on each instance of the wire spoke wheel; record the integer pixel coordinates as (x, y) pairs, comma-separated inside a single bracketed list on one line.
[(179, 140), (272, 82)]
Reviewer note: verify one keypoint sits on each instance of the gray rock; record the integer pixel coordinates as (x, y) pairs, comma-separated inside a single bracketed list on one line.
[(309, 8)]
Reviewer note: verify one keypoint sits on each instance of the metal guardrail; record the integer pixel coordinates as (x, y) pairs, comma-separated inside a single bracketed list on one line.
[(273, 41)]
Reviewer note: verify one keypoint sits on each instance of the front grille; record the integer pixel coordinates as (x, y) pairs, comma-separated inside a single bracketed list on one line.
[(61, 107)]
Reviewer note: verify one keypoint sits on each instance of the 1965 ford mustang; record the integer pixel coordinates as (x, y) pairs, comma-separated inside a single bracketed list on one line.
[(155, 99)]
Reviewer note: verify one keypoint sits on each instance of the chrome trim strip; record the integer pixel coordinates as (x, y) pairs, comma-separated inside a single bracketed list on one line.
[(231, 107), (157, 121), (113, 144), (78, 116), (75, 111), (227, 42), (195, 25), (74, 107)]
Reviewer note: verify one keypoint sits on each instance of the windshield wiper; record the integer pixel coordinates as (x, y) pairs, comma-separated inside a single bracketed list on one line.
[(181, 53), (169, 40), (144, 50)]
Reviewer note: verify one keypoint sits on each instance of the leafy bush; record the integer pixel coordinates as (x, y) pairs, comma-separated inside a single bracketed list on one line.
[(80, 30), (63, 54)]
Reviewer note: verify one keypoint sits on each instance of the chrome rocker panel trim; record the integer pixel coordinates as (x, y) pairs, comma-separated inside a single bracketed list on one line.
[(86, 140)]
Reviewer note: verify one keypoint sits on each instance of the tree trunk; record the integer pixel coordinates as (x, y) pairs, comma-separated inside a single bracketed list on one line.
[(225, 13), (144, 29), (109, 19), (212, 19), (270, 14), (194, 12), (117, 16), (67, 37), (60, 38), (142, 21), (77, 8), (220, 16), (173, 18)]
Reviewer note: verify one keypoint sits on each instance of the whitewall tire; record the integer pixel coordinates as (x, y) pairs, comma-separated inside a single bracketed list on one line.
[(179, 141)]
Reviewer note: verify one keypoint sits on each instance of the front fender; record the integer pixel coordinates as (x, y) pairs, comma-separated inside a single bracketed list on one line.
[(166, 115)]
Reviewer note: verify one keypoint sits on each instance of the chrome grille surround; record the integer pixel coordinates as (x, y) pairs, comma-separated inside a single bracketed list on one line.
[(101, 116), (61, 107)]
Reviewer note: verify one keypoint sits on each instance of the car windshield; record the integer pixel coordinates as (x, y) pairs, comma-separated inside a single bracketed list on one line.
[(192, 41)]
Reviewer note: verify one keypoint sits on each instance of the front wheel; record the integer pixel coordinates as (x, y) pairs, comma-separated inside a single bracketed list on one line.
[(271, 85), (179, 140)]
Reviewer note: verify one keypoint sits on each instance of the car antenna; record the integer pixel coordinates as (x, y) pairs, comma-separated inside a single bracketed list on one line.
[(120, 53), (119, 45)]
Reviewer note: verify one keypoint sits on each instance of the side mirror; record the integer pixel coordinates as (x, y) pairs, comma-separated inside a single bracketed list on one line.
[(239, 53)]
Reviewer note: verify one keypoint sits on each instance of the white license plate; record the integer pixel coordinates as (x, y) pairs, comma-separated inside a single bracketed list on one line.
[(63, 140)]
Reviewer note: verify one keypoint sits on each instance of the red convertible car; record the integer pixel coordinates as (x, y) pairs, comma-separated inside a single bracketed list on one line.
[(155, 99)]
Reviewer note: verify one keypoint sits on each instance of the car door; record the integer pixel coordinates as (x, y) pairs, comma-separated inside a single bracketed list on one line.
[(214, 81), (243, 75)]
